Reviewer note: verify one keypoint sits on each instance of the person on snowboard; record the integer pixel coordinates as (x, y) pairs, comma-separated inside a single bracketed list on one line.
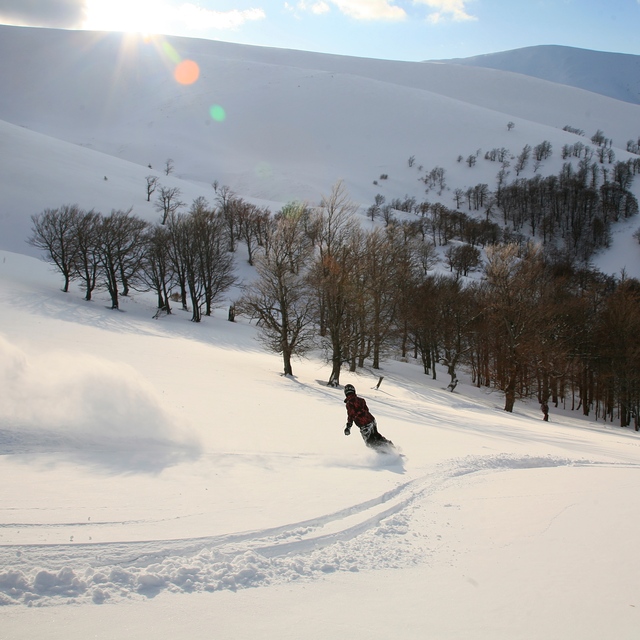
[(358, 412)]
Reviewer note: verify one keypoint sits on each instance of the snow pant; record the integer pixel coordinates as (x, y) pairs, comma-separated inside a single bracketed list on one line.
[(371, 436)]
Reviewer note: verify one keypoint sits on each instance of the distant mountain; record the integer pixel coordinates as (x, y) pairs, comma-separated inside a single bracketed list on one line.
[(616, 75)]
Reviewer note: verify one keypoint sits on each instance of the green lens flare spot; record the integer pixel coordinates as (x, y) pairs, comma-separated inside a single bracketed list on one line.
[(171, 53), (263, 170), (217, 113)]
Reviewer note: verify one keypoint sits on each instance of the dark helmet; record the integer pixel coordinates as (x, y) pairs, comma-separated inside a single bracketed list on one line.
[(349, 389)]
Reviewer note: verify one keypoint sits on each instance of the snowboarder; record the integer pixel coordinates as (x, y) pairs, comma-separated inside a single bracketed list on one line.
[(358, 412)]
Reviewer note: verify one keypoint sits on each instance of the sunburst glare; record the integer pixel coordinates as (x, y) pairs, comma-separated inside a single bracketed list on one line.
[(140, 16)]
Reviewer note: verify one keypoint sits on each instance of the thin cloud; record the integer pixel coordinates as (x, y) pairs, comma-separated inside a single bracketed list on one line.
[(196, 17), (357, 9), (370, 9), (43, 13), (455, 10), (322, 7), (160, 16), (318, 7)]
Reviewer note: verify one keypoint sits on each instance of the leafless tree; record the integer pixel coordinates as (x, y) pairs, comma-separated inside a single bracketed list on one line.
[(381, 263), (280, 298), (522, 159), (252, 225), (228, 207), (53, 232), (157, 271), (202, 263), (120, 249), (332, 275), (168, 202), (515, 285), (86, 228), (152, 183)]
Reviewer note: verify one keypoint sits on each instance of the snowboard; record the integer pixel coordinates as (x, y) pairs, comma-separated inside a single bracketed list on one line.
[(382, 446)]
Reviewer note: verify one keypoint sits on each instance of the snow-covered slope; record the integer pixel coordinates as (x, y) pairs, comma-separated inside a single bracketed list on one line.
[(166, 470), (616, 75), (40, 172), (81, 106)]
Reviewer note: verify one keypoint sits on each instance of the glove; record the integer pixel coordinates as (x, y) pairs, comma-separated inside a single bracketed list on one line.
[(347, 430)]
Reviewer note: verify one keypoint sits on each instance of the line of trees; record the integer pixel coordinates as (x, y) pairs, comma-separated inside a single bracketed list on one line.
[(119, 252), (537, 324), (572, 211)]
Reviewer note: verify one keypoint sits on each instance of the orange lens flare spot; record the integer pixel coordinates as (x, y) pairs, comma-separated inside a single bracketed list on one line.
[(187, 72)]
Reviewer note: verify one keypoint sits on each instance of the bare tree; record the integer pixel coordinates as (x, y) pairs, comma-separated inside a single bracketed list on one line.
[(455, 307), (381, 264), (86, 228), (53, 232), (120, 249), (514, 306), (252, 225), (332, 274), (168, 202), (542, 151), (374, 209), (216, 264), (157, 271), (280, 298), (199, 252), (152, 183), (462, 258), (228, 208), (523, 159), (178, 248)]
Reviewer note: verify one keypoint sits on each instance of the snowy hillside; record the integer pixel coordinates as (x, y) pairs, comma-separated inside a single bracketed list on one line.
[(166, 471), (294, 122), (161, 479), (616, 75)]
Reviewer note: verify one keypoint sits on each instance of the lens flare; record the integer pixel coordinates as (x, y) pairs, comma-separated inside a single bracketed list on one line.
[(171, 53), (186, 72), (264, 170), (218, 113)]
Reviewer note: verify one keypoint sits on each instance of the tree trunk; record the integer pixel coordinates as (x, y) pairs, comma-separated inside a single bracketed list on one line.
[(286, 356), (112, 287), (510, 395), (336, 366), (196, 314)]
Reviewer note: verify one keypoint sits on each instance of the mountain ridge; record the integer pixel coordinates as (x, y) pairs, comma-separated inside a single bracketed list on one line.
[(616, 75)]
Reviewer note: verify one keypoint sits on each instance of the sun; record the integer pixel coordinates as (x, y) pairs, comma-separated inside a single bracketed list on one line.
[(146, 18), (132, 16)]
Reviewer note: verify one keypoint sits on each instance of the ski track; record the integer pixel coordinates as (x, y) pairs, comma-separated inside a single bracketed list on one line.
[(373, 534)]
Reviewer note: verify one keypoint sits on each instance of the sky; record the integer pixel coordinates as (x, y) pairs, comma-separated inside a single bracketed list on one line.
[(409, 30)]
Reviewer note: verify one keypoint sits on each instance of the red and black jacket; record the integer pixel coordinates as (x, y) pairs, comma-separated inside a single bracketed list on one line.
[(357, 411)]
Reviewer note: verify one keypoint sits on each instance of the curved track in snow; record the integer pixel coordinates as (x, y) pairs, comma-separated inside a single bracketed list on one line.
[(373, 534)]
